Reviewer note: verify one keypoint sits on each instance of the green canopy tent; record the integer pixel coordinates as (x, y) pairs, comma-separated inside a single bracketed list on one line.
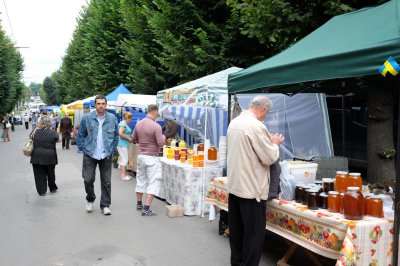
[(352, 45)]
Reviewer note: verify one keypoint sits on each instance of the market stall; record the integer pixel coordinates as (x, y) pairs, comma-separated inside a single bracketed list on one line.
[(182, 184), (339, 57)]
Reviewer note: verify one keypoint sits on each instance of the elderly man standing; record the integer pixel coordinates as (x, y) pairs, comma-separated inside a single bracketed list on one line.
[(66, 129), (98, 139), (148, 135), (251, 151)]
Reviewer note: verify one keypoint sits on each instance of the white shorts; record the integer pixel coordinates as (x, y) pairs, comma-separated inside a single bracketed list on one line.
[(123, 155), (148, 175)]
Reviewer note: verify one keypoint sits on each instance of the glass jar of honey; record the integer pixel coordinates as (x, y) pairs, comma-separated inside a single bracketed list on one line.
[(354, 180), (333, 201), (312, 202), (367, 196), (298, 192), (340, 180), (168, 142), (328, 184), (212, 153), (323, 200), (353, 204), (375, 206), (200, 148), (304, 196)]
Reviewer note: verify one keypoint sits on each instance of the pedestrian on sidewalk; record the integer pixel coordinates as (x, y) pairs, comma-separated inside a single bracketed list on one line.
[(123, 144), (44, 156), (12, 122), (66, 129), (252, 150), (34, 119), (26, 121), (54, 122), (6, 129), (98, 138), (148, 177)]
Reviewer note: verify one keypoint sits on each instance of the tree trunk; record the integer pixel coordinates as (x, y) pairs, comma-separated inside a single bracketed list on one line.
[(381, 156)]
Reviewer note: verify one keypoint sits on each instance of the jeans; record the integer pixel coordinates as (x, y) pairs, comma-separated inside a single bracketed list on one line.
[(89, 174)]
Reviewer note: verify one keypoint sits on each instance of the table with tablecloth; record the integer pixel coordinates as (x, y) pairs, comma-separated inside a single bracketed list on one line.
[(184, 185), (365, 242)]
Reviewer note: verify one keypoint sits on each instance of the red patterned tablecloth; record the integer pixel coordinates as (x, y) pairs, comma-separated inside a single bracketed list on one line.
[(368, 242)]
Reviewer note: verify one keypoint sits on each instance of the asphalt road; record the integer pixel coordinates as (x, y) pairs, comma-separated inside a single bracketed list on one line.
[(56, 230)]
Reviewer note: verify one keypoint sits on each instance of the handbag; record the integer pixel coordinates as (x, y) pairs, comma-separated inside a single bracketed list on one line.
[(28, 148), (8, 125)]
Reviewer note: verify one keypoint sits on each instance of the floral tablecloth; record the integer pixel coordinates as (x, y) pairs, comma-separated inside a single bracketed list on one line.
[(368, 242), (182, 184)]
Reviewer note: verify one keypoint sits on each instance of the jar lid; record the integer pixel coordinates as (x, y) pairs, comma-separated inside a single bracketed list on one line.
[(327, 180), (333, 192), (353, 188), (318, 182), (313, 190), (375, 196), (306, 186), (342, 172), (355, 174), (323, 194)]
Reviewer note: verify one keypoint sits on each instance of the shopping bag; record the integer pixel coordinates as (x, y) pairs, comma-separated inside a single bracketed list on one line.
[(28, 147)]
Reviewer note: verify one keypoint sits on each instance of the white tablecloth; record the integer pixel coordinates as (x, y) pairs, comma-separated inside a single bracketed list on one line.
[(182, 184)]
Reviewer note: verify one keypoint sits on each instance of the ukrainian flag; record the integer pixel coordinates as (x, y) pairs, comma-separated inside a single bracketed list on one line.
[(390, 66)]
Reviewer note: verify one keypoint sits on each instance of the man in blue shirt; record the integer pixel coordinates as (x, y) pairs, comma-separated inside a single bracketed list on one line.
[(98, 138)]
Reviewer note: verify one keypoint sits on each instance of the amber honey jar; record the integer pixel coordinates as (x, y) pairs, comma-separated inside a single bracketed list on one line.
[(328, 184), (298, 192), (312, 202), (340, 181), (367, 196), (323, 200), (212, 153), (353, 204), (333, 201), (354, 180), (200, 148), (375, 206)]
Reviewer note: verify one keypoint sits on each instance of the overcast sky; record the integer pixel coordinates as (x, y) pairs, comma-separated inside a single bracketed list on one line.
[(46, 27)]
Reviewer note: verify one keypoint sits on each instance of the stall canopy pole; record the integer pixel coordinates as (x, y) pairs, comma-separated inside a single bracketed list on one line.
[(397, 198), (203, 173), (229, 107)]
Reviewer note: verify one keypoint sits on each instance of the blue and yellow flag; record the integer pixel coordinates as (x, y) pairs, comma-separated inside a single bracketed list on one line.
[(390, 66)]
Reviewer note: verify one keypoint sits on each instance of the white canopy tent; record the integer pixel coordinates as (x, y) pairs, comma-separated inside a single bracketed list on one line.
[(136, 101)]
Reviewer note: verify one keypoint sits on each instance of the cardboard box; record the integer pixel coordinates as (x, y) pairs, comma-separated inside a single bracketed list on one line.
[(174, 211)]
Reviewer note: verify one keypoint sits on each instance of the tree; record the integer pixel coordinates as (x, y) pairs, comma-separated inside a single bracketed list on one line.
[(11, 67), (50, 87)]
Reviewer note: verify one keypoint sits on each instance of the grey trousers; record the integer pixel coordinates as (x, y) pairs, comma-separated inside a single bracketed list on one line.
[(89, 176)]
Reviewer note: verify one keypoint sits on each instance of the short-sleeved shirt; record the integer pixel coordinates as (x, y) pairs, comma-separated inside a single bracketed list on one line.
[(128, 131)]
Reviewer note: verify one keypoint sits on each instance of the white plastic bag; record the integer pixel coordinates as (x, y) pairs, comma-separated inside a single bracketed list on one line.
[(287, 182)]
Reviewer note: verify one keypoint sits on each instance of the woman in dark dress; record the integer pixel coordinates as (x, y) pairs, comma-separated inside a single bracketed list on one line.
[(44, 156)]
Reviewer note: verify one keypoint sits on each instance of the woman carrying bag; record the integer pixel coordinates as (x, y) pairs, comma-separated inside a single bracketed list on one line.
[(44, 156)]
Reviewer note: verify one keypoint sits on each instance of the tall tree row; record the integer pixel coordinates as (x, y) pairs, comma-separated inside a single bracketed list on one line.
[(11, 67)]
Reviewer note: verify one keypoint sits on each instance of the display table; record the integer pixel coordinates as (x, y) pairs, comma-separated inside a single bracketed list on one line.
[(183, 185), (365, 242)]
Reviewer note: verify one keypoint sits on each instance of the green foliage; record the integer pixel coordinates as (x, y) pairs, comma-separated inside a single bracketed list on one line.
[(11, 67), (50, 87)]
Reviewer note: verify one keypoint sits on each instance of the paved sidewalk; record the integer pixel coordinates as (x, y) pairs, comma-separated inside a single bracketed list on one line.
[(56, 230)]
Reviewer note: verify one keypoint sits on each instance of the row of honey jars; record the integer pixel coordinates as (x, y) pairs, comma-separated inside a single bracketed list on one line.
[(343, 180)]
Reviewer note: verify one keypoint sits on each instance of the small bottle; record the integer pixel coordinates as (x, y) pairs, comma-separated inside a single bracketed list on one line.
[(200, 148), (298, 192), (341, 178), (323, 200), (375, 207), (355, 180), (212, 153), (328, 184), (313, 199)]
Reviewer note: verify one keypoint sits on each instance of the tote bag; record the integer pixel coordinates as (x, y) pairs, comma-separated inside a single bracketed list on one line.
[(28, 148)]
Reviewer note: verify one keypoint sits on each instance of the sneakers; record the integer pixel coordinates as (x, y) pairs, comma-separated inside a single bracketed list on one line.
[(106, 211), (89, 206), (139, 207), (149, 212)]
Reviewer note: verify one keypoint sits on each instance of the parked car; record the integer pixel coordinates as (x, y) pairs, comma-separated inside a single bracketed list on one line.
[(18, 120)]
